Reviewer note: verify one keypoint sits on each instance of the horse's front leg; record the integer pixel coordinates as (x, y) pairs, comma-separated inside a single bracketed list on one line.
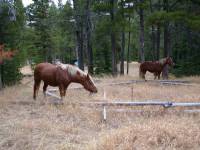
[(65, 89), (62, 92)]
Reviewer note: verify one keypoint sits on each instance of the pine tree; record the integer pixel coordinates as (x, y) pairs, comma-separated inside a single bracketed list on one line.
[(38, 16), (11, 31)]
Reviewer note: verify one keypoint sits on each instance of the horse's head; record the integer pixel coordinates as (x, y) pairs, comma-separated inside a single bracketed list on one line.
[(89, 84), (169, 61)]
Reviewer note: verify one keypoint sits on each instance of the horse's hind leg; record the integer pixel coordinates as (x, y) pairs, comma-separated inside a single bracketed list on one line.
[(36, 88), (159, 75), (143, 75), (44, 89), (155, 75)]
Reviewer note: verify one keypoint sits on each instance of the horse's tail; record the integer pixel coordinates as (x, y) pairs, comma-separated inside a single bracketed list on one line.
[(34, 91), (37, 82), (36, 88)]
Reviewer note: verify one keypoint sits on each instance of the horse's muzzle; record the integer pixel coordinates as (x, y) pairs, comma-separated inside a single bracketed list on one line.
[(95, 91)]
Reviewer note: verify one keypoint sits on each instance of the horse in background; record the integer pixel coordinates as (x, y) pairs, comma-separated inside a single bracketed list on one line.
[(60, 75), (154, 67)]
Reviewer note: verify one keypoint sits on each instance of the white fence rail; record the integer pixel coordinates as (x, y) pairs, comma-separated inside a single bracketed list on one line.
[(105, 104)]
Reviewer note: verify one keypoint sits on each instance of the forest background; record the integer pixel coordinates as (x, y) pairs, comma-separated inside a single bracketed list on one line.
[(100, 34)]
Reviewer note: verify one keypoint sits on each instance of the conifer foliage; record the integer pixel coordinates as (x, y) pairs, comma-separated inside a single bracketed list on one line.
[(100, 35)]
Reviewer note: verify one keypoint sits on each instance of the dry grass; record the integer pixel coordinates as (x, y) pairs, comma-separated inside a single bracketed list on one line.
[(168, 132), (194, 79), (28, 124)]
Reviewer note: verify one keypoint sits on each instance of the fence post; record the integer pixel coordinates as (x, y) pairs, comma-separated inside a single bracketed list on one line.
[(104, 113)]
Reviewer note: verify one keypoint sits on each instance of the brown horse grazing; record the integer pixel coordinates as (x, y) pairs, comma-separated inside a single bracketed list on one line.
[(155, 67), (61, 75)]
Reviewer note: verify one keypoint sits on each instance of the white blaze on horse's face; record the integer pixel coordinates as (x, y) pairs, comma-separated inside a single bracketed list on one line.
[(91, 80), (170, 61), (90, 85)]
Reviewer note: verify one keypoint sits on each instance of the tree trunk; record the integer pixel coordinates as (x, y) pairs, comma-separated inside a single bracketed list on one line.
[(158, 37), (128, 52), (122, 43), (79, 35), (1, 83), (88, 34), (122, 53), (1, 77), (166, 39), (158, 43), (141, 52), (153, 35), (153, 42), (166, 42), (114, 61), (113, 41)]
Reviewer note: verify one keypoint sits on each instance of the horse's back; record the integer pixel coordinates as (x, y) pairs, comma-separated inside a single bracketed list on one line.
[(45, 71), (150, 66), (43, 66), (145, 65)]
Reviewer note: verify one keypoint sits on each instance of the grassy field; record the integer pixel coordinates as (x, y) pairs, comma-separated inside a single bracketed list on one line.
[(39, 125)]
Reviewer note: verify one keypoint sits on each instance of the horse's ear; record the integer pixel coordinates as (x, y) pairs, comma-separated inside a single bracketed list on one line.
[(88, 76)]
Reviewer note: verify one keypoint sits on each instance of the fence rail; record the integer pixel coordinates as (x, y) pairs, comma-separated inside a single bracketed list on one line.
[(105, 104), (144, 103), (164, 82)]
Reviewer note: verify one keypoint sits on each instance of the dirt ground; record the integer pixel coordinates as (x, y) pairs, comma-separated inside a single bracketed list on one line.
[(26, 124)]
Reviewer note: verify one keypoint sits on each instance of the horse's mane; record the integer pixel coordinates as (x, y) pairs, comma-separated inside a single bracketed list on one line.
[(72, 70)]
